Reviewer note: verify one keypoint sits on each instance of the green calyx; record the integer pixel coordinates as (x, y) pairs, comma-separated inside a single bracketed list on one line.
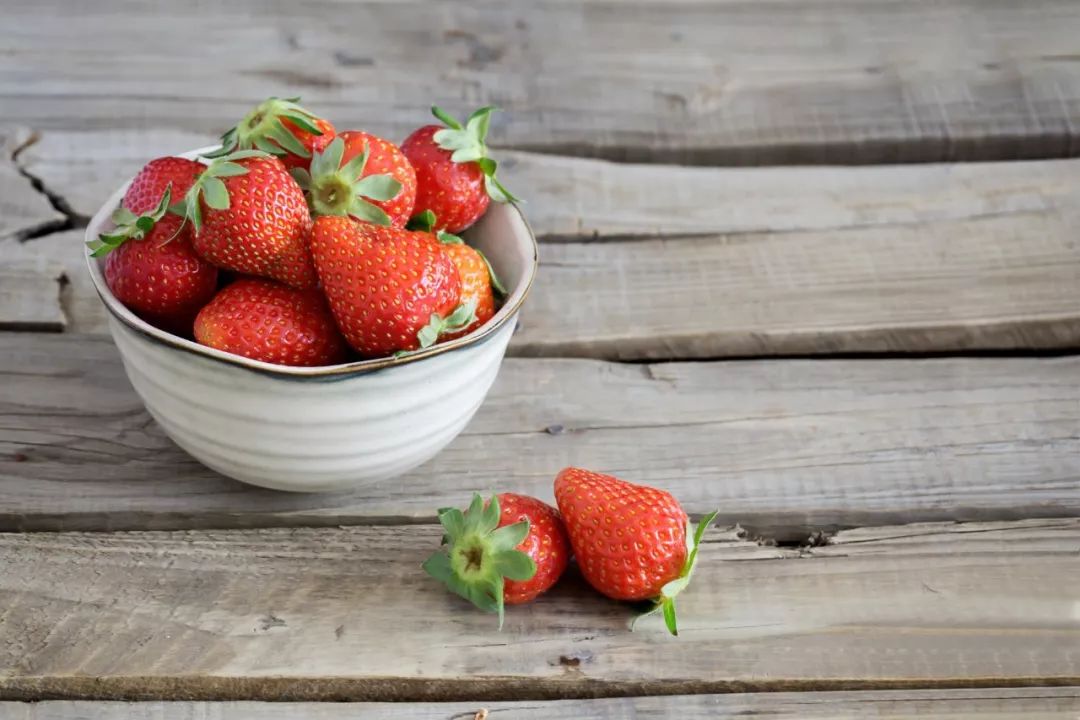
[(478, 555), (665, 603), (209, 186), (463, 316), (336, 189), (468, 144), (425, 222), (130, 226), (263, 129)]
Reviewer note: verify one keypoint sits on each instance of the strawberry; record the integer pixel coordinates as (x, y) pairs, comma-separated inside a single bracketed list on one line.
[(251, 217), (479, 284), (265, 320), (632, 542), (391, 290), (505, 552), (279, 127), (152, 268), (146, 189), (455, 178), (361, 175)]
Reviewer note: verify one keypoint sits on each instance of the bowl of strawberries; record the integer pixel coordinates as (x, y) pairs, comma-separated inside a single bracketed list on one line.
[(311, 310)]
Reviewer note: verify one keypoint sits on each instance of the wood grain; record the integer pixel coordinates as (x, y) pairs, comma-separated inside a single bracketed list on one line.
[(578, 199), (825, 81), (783, 447), (23, 210), (30, 294), (998, 282), (53, 282), (346, 614), (993, 704)]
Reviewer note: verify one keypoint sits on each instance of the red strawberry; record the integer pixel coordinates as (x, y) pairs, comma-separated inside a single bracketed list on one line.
[(455, 178), (251, 217), (391, 290), (152, 268), (361, 175), (505, 552), (282, 128), (632, 542), (264, 320), (145, 191)]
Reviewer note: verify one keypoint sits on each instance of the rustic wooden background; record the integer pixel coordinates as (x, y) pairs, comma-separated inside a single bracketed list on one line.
[(814, 262)]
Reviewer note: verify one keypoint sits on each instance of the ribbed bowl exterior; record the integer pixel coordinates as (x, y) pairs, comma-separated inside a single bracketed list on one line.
[(310, 434)]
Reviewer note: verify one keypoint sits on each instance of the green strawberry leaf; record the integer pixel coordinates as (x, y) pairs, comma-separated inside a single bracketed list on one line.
[(130, 226), (478, 556), (378, 187), (423, 222), (302, 122), (496, 284), (445, 118), (215, 194), (449, 238), (363, 210), (225, 168)]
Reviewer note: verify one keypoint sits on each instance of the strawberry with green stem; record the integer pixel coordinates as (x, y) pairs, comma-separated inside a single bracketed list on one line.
[(279, 127), (455, 174), (152, 268), (505, 552), (340, 185), (632, 542), (250, 216)]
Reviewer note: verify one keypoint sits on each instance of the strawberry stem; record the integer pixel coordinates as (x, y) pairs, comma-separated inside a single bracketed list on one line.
[(479, 555), (468, 143), (130, 226), (463, 316), (665, 603), (263, 129), (336, 189)]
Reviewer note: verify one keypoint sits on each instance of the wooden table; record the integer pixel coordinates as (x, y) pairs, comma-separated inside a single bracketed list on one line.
[(813, 262)]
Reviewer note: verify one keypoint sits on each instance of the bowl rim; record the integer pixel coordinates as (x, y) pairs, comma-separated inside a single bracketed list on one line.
[(507, 313)]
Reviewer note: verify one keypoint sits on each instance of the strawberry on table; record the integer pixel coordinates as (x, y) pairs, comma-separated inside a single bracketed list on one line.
[(251, 217), (361, 175), (632, 542), (146, 189), (455, 176), (265, 320), (505, 552), (152, 268), (279, 127), (391, 290)]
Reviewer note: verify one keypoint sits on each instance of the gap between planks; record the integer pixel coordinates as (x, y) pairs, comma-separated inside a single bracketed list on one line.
[(991, 704)]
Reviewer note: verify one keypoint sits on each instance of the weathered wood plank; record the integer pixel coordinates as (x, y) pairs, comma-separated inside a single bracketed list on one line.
[(996, 704), (30, 294), (347, 614), (1003, 281), (23, 210), (782, 447), (827, 81), (576, 199), (56, 263)]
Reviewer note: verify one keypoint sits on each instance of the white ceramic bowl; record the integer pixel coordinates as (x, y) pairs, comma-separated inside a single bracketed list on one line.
[(326, 428)]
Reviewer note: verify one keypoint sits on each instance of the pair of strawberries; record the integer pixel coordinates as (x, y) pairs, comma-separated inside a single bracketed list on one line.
[(632, 542), (309, 227)]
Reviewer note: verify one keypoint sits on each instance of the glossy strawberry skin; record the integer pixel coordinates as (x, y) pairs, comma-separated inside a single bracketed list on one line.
[(265, 229), (546, 544), (455, 192), (265, 320), (383, 283), (386, 158), (312, 143), (629, 540), (475, 284), (160, 277), (149, 185)]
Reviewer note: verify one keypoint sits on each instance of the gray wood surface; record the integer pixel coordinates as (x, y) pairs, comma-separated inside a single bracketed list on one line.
[(726, 82), (30, 294), (782, 447), (56, 264), (992, 704), (342, 614), (23, 210)]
